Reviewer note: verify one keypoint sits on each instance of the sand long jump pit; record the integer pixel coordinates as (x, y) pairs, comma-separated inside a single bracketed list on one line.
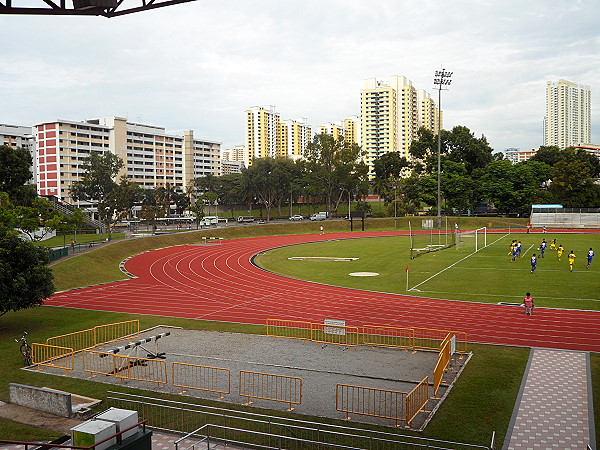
[(230, 364)]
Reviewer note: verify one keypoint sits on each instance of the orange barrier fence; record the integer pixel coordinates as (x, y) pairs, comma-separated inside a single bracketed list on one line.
[(334, 334), (203, 378), (432, 339), (416, 400), (387, 336), (116, 331), (266, 386), (407, 337), (370, 402), (294, 329), (99, 335), (441, 365), (52, 356), (77, 340), (125, 367)]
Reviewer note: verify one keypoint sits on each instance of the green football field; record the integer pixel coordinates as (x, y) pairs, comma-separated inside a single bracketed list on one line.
[(457, 273)]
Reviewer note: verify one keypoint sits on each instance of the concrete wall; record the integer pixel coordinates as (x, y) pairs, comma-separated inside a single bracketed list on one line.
[(43, 399)]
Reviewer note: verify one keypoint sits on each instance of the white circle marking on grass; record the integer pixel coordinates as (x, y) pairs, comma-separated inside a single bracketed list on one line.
[(363, 274)]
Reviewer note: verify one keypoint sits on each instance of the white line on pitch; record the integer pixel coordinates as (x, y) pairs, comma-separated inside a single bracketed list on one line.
[(452, 265)]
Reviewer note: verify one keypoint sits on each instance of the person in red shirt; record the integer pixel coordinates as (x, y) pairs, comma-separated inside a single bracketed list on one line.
[(528, 302)]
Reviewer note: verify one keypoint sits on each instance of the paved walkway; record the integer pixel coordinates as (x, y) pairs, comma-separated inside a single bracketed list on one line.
[(554, 408)]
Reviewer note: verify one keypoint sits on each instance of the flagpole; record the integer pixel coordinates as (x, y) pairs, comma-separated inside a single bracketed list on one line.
[(406, 278)]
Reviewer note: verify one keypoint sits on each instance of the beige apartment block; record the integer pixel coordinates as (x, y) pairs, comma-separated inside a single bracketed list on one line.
[(391, 114)]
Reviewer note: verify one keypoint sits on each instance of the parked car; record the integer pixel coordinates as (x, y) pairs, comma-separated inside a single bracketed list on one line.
[(297, 217), (242, 219), (319, 216)]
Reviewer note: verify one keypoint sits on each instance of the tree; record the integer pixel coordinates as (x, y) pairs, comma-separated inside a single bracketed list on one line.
[(334, 165), (389, 169), (15, 172), (37, 220), (25, 279), (457, 186), (463, 147), (98, 185), (513, 187), (572, 186)]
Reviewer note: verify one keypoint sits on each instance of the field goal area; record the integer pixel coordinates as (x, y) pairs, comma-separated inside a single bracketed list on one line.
[(429, 240)]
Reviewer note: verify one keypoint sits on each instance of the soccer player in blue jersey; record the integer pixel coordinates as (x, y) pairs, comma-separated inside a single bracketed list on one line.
[(533, 263), (543, 248), (590, 256)]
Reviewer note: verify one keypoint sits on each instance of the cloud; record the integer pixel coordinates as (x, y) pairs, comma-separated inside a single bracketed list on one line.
[(199, 65)]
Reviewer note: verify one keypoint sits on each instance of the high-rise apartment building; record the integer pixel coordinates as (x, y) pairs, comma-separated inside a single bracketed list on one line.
[(348, 129), (19, 136), (152, 157), (568, 114), (391, 114), (269, 136), (353, 130), (261, 132), (335, 129), (293, 137), (238, 153)]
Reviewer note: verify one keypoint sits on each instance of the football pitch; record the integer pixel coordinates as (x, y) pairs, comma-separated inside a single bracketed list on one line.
[(456, 273)]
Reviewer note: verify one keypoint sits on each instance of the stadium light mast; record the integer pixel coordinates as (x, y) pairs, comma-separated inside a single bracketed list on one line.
[(441, 79)]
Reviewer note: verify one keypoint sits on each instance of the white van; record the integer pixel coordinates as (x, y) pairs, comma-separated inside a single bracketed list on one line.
[(319, 216), (245, 219)]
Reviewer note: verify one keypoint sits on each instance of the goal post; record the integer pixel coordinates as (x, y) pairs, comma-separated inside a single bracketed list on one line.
[(428, 240), (472, 240)]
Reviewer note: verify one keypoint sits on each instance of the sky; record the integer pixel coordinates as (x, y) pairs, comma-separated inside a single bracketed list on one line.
[(200, 65)]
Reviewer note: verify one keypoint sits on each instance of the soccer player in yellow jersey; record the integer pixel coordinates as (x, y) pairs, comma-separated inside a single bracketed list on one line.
[(571, 260), (559, 251), (553, 244)]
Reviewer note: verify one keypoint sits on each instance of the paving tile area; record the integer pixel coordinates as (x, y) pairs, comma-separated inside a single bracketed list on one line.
[(553, 409)]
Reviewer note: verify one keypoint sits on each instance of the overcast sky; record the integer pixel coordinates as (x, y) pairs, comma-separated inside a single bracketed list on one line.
[(200, 65)]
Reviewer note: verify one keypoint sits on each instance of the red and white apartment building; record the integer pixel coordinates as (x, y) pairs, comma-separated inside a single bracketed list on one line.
[(152, 157)]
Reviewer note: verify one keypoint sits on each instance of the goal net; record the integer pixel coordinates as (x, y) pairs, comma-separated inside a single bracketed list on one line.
[(471, 241), (429, 240)]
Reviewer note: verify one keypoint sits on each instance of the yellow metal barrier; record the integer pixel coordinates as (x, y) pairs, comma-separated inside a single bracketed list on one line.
[(116, 331), (440, 367), (125, 367), (387, 336), (266, 386), (416, 400), (52, 356), (204, 378), (432, 339), (102, 334), (100, 363), (409, 337), (334, 334), (77, 340), (370, 402), (294, 329)]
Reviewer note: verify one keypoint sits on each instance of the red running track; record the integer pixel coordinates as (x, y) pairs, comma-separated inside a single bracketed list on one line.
[(219, 282)]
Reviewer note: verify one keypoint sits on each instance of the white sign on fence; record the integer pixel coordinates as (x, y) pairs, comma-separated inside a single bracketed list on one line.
[(337, 327), (453, 345), (427, 223)]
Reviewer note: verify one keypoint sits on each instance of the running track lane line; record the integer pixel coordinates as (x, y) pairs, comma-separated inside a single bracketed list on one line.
[(220, 283)]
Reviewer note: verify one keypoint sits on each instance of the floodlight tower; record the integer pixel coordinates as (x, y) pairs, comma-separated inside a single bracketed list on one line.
[(441, 79)]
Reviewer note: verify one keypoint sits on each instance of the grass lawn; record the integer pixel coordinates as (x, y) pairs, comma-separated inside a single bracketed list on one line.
[(455, 273)]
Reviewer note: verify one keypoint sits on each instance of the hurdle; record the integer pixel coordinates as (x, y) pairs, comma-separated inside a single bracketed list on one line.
[(136, 346)]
